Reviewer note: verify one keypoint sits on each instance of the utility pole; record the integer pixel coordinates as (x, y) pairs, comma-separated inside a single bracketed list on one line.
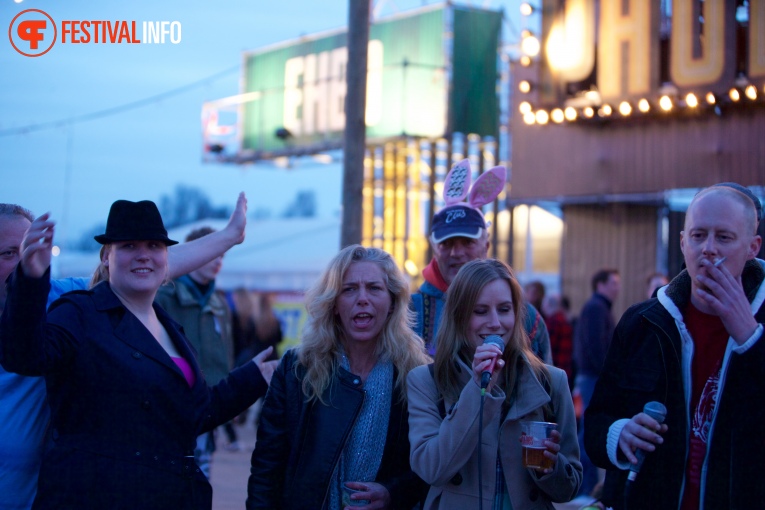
[(354, 139)]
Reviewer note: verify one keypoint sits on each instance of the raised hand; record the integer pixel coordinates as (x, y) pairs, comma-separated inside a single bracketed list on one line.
[(238, 220), (37, 247), (725, 295)]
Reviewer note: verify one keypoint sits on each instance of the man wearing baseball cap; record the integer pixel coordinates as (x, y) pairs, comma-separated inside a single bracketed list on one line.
[(459, 234)]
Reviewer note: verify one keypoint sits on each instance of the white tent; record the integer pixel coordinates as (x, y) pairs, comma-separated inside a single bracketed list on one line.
[(279, 255)]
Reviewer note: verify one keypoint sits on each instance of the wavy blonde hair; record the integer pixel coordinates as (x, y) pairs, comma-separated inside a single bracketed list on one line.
[(452, 337), (323, 333)]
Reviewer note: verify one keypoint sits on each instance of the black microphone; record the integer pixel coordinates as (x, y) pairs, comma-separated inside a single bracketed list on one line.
[(658, 412), (486, 374)]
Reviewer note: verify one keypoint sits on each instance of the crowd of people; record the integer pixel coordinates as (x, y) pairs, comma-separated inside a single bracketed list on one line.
[(111, 389)]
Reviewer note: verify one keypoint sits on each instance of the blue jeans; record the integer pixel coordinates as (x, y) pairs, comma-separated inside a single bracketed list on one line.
[(586, 386), (204, 451)]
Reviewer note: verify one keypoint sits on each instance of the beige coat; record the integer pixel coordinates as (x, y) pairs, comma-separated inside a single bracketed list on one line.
[(444, 454)]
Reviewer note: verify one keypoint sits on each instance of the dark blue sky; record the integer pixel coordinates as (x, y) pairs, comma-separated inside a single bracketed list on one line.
[(76, 171)]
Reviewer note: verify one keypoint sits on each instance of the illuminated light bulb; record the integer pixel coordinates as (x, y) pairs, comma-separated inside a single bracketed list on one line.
[(542, 117), (557, 116), (55, 251), (529, 118), (525, 61), (526, 9), (605, 111), (666, 103), (734, 95), (524, 107), (691, 100), (570, 113), (711, 99), (625, 108), (530, 45), (588, 112), (644, 106), (751, 92), (524, 86)]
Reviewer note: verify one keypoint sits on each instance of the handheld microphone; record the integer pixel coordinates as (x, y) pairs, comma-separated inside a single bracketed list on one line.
[(658, 412), (486, 374)]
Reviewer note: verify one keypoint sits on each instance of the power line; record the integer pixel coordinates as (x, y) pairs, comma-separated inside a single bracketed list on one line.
[(31, 128)]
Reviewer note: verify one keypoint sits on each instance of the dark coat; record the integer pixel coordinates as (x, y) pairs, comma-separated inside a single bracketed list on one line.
[(645, 364), (124, 418), (299, 443), (592, 335)]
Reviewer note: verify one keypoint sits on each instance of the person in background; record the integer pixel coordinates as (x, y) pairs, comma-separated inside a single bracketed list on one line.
[(534, 292), (698, 350), (256, 326), (24, 412), (445, 401), (191, 300), (653, 282), (592, 336), (459, 234), (126, 394), (336, 412), (561, 335)]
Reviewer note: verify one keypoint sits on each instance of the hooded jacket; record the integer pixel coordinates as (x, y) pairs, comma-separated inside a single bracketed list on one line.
[(650, 360)]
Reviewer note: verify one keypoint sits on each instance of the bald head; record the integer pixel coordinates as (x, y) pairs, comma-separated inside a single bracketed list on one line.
[(749, 211)]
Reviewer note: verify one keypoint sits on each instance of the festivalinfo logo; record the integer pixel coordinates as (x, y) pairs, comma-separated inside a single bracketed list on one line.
[(34, 32)]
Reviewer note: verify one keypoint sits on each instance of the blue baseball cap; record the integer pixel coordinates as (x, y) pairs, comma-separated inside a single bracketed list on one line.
[(457, 221)]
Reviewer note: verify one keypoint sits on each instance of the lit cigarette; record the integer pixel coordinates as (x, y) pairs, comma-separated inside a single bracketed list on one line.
[(719, 261)]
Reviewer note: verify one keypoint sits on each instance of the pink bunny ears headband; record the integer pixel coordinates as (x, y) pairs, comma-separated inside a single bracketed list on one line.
[(465, 219)]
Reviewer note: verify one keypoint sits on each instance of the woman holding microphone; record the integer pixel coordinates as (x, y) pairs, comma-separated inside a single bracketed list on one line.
[(466, 439)]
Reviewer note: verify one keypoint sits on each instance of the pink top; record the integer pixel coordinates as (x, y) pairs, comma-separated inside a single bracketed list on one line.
[(188, 373)]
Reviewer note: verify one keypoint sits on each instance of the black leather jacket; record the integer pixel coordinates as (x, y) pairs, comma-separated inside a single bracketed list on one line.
[(299, 443), (644, 363)]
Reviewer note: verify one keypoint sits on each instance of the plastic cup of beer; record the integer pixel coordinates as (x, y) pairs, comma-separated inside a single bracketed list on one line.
[(533, 436), (347, 501)]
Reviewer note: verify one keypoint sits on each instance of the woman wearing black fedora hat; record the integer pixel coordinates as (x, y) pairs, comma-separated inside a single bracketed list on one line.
[(126, 394)]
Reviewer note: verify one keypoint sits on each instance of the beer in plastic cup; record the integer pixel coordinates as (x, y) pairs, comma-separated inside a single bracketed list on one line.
[(533, 436)]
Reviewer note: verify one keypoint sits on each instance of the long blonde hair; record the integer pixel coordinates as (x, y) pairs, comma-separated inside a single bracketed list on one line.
[(323, 334), (452, 337)]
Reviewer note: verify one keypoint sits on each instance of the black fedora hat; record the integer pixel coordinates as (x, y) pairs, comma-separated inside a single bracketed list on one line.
[(134, 221)]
